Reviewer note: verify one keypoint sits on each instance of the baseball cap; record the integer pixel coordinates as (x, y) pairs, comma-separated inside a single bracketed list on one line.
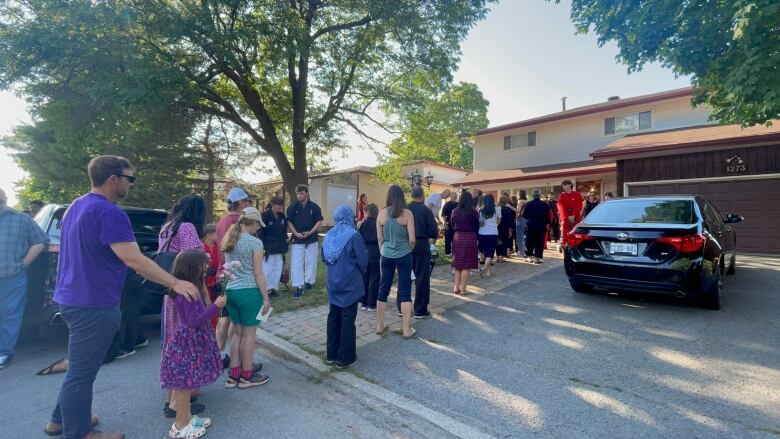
[(252, 214), (237, 194)]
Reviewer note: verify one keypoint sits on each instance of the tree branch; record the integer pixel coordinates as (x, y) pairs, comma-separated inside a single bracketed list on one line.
[(342, 26), (358, 130)]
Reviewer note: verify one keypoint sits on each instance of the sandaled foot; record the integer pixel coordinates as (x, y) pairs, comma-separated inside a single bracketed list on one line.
[(412, 333), (381, 331)]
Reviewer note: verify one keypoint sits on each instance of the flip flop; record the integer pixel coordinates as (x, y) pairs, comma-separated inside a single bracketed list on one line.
[(49, 370), (382, 331), (412, 333)]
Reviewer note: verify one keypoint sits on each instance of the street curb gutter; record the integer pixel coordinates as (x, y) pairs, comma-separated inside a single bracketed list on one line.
[(446, 423)]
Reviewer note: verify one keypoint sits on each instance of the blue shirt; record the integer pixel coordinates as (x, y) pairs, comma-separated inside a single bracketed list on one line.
[(345, 276), (90, 274), (245, 250), (18, 232)]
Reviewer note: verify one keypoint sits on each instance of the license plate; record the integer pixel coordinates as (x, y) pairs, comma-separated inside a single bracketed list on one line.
[(620, 248)]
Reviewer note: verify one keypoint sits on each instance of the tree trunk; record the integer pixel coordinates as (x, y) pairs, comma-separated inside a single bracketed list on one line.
[(210, 195)]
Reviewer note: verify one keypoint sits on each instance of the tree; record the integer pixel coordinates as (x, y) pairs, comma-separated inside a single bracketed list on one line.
[(291, 74), (441, 131), (730, 48)]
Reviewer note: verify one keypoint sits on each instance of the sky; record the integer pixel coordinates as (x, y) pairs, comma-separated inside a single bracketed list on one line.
[(524, 57)]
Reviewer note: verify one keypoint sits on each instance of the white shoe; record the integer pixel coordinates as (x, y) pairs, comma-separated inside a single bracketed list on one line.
[(195, 429)]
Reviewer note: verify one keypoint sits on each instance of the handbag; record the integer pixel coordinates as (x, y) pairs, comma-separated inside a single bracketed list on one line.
[(164, 259)]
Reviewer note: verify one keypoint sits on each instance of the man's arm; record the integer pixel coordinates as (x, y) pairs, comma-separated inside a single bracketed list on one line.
[(32, 253), (131, 255), (314, 230)]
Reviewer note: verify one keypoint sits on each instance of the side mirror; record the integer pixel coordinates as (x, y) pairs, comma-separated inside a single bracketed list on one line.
[(733, 218)]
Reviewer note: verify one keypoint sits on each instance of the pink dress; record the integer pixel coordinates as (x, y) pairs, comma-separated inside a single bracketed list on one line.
[(186, 238)]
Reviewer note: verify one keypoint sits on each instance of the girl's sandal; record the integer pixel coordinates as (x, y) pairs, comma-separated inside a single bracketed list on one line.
[(382, 331), (412, 333)]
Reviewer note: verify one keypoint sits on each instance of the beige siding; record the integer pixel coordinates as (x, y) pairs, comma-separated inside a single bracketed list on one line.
[(572, 140)]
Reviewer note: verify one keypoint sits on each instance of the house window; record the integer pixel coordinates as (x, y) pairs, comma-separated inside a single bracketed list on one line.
[(628, 123), (520, 140)]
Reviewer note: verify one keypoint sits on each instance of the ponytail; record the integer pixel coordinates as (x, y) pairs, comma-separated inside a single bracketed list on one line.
[(231, 238)]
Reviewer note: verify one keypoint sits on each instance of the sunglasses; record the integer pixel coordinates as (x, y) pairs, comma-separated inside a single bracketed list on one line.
[(130, 178)]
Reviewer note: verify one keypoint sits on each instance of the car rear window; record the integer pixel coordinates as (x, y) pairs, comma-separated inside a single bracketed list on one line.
[(147, 223), (644, 212)]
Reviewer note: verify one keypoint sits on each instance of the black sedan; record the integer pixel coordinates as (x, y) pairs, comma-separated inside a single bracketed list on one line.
[(675, 245)]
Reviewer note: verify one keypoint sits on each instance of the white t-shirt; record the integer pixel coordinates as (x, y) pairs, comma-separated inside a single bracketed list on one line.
[(490, 225), (434, 199)]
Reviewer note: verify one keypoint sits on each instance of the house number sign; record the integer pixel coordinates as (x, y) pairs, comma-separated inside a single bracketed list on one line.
[(735, 165)]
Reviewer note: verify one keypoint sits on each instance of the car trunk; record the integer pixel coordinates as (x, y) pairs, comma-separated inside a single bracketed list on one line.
[(647, 244)]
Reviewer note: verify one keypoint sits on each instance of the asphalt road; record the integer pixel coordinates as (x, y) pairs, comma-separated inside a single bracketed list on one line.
[(296, 403), (537, 359)]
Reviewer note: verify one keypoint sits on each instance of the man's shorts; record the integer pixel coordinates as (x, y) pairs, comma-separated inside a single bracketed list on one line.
[(243, 305)]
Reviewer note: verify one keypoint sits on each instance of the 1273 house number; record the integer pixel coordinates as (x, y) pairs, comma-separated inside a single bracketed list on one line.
[(735, 165)]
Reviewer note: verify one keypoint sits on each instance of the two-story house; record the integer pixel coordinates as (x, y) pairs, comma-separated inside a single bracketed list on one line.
[(539, 153), (652, 144)]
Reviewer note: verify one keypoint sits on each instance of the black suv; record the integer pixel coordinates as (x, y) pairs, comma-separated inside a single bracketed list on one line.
[(41, 310)]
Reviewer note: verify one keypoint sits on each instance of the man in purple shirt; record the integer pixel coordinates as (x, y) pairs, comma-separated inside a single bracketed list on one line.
[(96, 247)]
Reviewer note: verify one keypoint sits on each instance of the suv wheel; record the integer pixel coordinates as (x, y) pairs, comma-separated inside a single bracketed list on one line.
[(581, 287)]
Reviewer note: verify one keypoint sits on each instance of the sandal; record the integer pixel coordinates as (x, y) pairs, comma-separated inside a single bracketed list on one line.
[(195, 429), (49, 370), (412, 333), (382, 331)]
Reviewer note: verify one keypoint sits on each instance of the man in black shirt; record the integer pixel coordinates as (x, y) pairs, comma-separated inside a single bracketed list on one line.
[(304, 219), (446, 215), (426, 229), (537, 212), (274, 237)]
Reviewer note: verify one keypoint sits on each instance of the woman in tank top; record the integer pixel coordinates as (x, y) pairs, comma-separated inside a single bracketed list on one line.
[(395, 233)]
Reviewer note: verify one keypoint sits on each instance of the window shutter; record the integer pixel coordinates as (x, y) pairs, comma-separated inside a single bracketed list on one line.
[(609, 126)]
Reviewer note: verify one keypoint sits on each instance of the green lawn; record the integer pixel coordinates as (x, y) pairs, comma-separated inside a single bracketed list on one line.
[(315, 297)]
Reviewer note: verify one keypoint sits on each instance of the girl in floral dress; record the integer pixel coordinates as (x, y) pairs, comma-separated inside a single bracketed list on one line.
[(190, 358)]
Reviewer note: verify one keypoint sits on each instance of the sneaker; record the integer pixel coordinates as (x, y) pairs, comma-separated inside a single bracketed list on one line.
[(231, 383), (298, 292), (190, 431), (340, 365), (257, 379), (123, 353), (272, 293), (309, 286), (5, 361), (195, 409), (142, 344), (330, 362), (400, 314), (423, 316), (364, 308), (372, 308)]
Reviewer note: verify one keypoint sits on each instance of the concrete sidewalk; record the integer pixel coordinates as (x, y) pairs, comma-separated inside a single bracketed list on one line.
[(307, 328)]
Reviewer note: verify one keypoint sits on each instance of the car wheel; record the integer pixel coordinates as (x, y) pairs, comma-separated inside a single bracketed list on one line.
[(733, 265), (581, 287), (713, 296)]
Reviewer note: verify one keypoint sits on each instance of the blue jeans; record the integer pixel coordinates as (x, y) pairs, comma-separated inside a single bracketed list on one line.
[(90, 333), (520, 236), (387, 272), (13, 290)]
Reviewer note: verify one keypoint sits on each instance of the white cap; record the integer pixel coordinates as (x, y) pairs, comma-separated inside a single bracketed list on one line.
[(252, 214), (237, 194)]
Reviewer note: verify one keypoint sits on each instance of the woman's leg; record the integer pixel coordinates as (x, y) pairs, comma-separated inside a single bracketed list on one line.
[(456, 286), (405, 291), (464, 281), (333, 333), (235, 348), (347, 336), (406, 312), (385, 282), (181, 398)]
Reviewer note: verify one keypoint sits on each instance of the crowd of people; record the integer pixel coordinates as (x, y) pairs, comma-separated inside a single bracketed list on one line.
[(222, 277)]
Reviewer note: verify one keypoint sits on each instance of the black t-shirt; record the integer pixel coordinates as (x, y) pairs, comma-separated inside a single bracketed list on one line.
[(446, 212), (303, 218), (424, 222)]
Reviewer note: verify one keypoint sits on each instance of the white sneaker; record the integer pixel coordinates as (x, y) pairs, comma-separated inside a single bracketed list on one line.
[(195, 429)]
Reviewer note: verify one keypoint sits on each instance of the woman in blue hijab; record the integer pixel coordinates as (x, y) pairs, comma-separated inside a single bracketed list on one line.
[(346, 258)]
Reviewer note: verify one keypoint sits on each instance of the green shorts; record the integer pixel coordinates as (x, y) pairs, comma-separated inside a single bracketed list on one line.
[(243, 305)]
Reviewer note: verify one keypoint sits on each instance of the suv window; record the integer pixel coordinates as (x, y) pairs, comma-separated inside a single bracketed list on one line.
[(712, 215), (644, 211), (146, 225)]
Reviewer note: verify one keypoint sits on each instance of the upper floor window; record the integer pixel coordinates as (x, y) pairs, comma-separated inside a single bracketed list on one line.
[(520, 140), (628, 123)]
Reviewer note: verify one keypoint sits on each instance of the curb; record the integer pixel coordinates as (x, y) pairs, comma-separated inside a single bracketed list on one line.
[(446, 423)]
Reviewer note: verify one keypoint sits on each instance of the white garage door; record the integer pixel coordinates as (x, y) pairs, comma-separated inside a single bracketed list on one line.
[(339, 195)]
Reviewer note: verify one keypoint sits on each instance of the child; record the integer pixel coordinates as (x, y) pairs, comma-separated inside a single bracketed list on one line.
[(210, 246), (247, 295), (346, 257), (190, 358)]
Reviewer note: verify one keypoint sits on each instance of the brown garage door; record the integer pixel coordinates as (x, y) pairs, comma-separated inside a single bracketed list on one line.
[(756, 200)]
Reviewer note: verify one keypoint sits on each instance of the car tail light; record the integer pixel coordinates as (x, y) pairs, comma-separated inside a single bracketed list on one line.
[(685, 244), (575, 239)]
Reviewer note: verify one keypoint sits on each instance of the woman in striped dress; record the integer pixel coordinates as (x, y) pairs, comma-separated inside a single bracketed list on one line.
[(465, 223)]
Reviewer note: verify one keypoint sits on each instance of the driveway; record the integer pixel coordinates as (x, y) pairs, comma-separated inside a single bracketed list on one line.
[(538, 359)]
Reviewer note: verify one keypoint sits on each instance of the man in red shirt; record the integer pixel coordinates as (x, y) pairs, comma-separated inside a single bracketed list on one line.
[(361, 210), (569, 209)]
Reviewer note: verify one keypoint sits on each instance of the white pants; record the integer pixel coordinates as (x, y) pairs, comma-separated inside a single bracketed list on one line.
[(303, 267), (272, 268)]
